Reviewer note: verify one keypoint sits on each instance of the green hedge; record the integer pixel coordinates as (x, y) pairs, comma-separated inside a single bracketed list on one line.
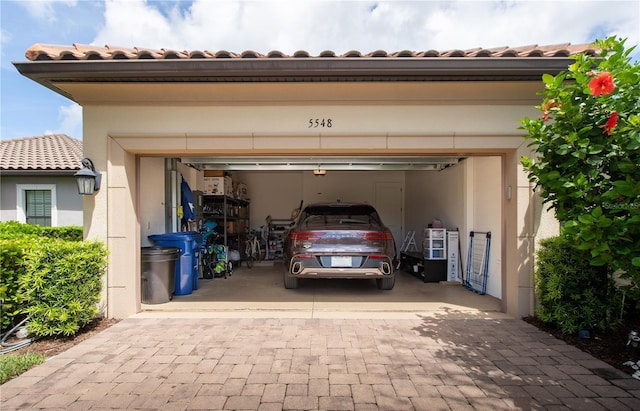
[(13, 256), (572, 294), (13, 229), (50, 276), (62, 286)]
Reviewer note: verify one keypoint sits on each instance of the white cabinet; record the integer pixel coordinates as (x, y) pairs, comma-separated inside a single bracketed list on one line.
[(453, 259), (435, 243)]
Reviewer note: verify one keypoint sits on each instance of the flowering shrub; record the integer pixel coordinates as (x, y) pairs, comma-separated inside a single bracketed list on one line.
[(587, 155)]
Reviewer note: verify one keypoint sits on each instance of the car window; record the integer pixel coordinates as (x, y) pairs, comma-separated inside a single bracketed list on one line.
[(339, 219), (340, 215)]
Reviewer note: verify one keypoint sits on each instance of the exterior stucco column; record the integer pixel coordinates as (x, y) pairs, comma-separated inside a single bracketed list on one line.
[(123, 285), (527, 222), (95, 207)]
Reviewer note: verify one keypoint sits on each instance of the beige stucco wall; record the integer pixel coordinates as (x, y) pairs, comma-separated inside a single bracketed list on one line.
[(411, 119)]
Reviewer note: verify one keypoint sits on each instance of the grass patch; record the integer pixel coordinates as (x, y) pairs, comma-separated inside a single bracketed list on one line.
[(14, 365)]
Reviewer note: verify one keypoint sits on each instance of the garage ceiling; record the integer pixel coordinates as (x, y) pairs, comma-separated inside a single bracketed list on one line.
[(265, 163)]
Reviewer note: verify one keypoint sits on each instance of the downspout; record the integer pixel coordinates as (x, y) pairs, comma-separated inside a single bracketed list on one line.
[(171, 195)]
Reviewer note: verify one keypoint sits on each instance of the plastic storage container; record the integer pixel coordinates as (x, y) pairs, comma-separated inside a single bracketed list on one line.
[(187, 269), (157, 277)]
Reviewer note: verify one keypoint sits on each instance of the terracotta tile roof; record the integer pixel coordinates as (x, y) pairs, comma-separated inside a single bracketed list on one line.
[(53, 152), (39, 52)]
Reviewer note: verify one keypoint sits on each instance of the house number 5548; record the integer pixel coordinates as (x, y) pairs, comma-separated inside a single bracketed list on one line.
[(320, 122)]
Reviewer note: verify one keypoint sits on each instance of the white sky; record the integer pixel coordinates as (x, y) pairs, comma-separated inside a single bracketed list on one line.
[(29, 109)]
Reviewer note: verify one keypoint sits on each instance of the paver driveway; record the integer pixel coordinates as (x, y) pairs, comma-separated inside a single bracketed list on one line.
[(426, 363)]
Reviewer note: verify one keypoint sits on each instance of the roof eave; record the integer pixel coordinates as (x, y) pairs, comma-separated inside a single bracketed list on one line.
[(49, 72)]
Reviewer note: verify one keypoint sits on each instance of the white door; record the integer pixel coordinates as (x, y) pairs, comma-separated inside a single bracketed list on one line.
[(389, 200)]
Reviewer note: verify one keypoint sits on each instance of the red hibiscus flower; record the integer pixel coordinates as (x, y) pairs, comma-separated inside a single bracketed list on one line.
[(611, 123), (602, 84)]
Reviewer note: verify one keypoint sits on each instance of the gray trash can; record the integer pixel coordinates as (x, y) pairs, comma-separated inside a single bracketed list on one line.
[(157, 277)]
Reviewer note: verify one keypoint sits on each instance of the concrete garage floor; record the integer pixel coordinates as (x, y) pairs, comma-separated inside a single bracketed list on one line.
[(259, 291)]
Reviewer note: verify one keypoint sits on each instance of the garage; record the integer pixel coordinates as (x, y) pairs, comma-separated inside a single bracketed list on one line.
[(441, 127), (410, 194)]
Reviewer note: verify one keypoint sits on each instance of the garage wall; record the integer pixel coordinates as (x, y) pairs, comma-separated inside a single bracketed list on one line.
[(272, 193), (152, 208), (432, 194), (277, 193), (465, 196), (484, 188)]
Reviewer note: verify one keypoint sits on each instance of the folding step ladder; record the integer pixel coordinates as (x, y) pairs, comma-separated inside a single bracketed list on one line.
[(409, 241)]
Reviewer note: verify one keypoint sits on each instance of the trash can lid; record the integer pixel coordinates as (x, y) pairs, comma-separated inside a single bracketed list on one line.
[(159, 250), (193, 236)]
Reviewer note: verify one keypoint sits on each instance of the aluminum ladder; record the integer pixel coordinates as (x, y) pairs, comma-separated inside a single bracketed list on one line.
[(409, 241)]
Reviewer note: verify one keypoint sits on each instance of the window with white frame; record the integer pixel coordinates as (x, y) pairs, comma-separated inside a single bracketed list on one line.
[(36, 204)]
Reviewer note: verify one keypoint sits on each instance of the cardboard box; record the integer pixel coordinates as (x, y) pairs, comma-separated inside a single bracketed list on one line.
[(218, 186), (216, 173)]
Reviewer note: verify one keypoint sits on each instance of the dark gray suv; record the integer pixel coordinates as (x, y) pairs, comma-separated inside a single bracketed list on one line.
[(339, 240)]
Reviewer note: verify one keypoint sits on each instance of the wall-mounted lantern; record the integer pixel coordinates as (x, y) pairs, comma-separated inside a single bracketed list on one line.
[(88, 178)]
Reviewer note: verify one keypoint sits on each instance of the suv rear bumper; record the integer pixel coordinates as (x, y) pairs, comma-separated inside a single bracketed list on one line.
[(382, 269)]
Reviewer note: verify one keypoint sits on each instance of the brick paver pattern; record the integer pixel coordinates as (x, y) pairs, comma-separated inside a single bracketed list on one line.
[(322, 364)]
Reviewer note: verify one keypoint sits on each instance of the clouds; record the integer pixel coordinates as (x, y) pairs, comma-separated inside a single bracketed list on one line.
[(285, 25), (70, 118), (341, 26), (45, 10)]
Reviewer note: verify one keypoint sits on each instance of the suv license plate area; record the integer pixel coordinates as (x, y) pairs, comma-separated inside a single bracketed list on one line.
[(340, 261)]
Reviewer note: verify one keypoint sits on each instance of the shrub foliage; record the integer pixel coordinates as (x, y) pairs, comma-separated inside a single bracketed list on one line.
[(51, 276), (573, 294), (62, 286), (13, 255)]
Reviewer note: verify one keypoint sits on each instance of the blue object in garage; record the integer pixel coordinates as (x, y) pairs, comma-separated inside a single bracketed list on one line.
[(187, 271)]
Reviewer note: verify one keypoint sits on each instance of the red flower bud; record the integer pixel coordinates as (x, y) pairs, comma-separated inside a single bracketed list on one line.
[(611, 123), (548, 105)]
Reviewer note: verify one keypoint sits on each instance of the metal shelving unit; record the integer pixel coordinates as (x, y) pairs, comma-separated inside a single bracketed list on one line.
[(231, 214)]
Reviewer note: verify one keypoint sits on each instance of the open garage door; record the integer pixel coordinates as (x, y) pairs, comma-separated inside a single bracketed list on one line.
[(344, 163), (462, 192)]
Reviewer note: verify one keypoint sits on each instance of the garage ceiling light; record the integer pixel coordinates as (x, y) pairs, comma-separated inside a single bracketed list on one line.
[(359, 163)]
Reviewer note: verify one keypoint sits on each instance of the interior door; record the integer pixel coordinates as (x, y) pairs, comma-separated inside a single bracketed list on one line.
[(389, 200)]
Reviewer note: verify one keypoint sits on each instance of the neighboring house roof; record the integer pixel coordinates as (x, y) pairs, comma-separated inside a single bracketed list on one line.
[(59, 67), (48, 153)]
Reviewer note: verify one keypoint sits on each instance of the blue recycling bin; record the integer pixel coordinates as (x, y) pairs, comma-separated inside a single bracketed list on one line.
[(187, 267)]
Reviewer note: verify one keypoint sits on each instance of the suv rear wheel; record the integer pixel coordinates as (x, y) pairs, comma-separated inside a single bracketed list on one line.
[(385, 283), (290, 282)]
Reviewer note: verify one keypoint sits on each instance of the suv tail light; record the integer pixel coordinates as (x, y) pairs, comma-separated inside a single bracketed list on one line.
[(304, 236), (377, 236)]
